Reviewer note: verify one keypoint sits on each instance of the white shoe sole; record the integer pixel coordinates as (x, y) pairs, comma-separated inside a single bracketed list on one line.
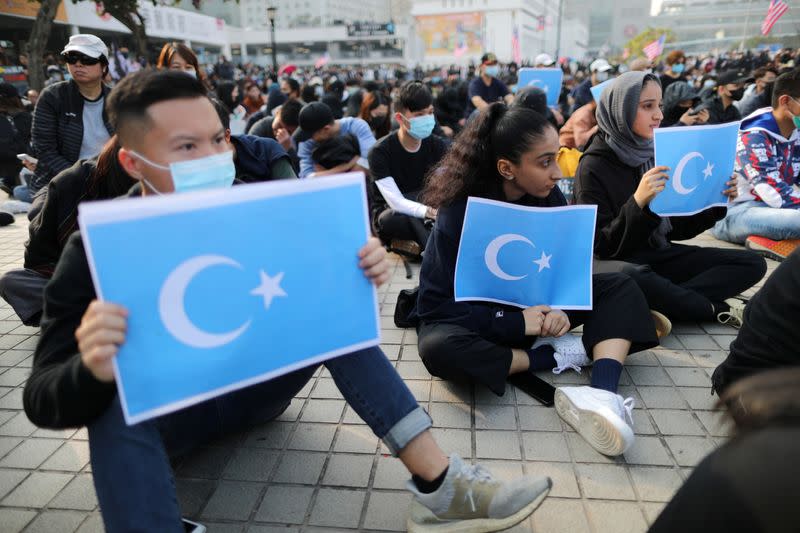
[(607, 432), (479, 525)]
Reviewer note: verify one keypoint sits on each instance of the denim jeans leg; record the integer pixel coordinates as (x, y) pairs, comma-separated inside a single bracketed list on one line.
[(756, 218), (374, 389), (132, 475), (23, 193)]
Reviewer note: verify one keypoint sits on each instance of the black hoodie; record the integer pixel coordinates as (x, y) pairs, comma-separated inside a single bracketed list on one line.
[(623, 228)]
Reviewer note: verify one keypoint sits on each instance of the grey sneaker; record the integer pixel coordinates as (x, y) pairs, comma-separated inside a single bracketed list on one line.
[(735, 315), (470, 500)]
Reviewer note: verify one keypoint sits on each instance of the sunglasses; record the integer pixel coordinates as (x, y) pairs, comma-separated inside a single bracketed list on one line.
[(83, 58)]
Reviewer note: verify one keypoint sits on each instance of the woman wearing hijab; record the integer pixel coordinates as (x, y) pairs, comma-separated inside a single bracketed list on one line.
[(508, 154), (617, 173)]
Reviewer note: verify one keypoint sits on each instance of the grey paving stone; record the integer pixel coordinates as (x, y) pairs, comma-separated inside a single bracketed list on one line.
[(495, 417), (504, 470), (300, 467), (641, 423), (205, 463), (56, 521), (449, 391), (8, 443), (38, 489), (560, 516), (412, 370), (390, 474), (93, 524), (224, 527), (661, 397), (19, 426), (351, 417), (616, 517), (9, 479), (675, 422), (233, 500), (648, 375), (348, 470), (454, 441), (12, 400), (698, 342), (648, 451), (421, 389), (272, 529), (483, 396), (13, 377), (669, 357), (30, 454), (609, 482), (699, 398), (72, 457), (708, 358), (689, 377), (355, 439), (14, 520), (5, 416), (451, 415), (251, 464), (497, 445), (645, 358), (582, 452), (323, 411), (716, 423), (270, 435), (565, 483), (544, 446), (79, 494), (314, 437), (688, 451), (533, 418), (337, 508), (387, 511), (285, 504), (62, 434), (655, 484), (652, 510), (326, 389)]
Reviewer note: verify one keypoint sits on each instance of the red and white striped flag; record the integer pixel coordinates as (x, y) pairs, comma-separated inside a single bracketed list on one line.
[(516, 50), (776, 10), (654, 49)]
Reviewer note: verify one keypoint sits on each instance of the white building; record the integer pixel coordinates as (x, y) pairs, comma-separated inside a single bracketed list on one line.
[(460, 31), (313, 13)]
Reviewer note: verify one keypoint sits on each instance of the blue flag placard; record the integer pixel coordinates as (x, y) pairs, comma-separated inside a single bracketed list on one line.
[(597, 90), (701, 160), (526, 256), (547, 79), (229, 288)]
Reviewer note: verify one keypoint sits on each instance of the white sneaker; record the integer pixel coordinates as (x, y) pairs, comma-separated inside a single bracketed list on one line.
[(471, 501), (735, 315), (569, 352), (601, 417)]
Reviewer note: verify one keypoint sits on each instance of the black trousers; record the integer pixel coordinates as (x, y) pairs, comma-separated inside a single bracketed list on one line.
[(686, 282), (452, 351), (392, 225)]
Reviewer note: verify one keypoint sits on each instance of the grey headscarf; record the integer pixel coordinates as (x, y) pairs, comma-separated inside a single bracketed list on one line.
[(615, 116)]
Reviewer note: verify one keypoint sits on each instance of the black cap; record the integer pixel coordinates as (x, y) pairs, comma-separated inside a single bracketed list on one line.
[(488, 58), (7, 90), (733, 76), (313, 117)]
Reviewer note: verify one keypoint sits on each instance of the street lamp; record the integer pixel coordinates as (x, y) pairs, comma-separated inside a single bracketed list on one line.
[(271, 10)]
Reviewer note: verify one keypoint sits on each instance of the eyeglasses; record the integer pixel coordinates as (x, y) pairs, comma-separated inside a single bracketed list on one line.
[(83, 58)]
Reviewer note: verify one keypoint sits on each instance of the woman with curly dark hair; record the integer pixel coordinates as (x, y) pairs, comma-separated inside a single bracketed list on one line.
[(509, 155)]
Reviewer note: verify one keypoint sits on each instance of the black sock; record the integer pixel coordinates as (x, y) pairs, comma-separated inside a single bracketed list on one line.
[(605, 374), (427, 487), (541, 358)]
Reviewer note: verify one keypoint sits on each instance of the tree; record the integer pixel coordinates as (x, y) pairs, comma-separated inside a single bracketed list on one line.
[(38, 41), (127, 12), (636, 45)]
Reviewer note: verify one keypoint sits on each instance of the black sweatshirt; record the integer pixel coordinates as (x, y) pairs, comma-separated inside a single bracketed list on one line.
[(623, 228), (61, 392), (436, 301)]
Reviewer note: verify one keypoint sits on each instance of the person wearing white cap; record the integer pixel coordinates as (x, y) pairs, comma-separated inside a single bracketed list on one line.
[(582, 94), (69, 123), (543, 60)]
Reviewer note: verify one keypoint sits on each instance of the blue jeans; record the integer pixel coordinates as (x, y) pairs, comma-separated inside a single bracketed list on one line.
[(756, 218), (130, 464), (23, 193)]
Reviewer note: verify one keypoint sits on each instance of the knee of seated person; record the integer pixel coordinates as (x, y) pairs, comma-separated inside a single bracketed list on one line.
[(438, 346)]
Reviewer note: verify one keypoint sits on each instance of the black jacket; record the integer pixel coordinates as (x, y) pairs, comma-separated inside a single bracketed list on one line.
[(256, 157), (435, 300), (717, 114), (58, 130), (54, 215), (15, 138), (624, 228)]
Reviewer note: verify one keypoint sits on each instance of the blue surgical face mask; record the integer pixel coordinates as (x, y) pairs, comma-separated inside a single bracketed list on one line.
[(492, 70), (601, 76), (421, 127), (678, 68), (211, 172), (709, 83), (796, 118)]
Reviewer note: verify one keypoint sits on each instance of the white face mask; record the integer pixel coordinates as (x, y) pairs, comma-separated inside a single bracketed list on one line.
[(191, 72), (601, 76)]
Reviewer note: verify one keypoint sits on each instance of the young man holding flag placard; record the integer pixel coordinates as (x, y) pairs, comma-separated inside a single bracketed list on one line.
[(164, 118), (766, 217)]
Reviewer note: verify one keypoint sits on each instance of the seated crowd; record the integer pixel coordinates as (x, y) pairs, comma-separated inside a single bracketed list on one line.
[(96, 143)]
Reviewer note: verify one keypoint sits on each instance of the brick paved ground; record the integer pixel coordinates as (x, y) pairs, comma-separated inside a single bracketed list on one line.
[(318, 468)]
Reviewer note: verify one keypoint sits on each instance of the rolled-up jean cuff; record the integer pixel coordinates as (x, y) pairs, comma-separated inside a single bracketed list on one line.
[(407, 429)]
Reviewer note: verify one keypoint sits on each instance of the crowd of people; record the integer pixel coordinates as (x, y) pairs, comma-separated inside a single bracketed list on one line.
[(438, 138)]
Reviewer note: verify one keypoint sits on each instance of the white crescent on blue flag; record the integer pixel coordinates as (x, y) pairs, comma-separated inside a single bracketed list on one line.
[(229, 288), (547, 79), (597, 90), (701, 160), (526, 256)]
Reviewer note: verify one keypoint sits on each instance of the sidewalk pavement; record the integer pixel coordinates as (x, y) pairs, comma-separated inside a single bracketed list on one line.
[(319, 468)]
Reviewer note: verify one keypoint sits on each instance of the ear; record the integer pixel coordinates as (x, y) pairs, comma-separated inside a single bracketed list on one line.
[(228, 136), (506, 169), (129, 163), (400, 119)]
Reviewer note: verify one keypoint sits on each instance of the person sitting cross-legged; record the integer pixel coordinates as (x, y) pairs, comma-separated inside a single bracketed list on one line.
[(164, 117)]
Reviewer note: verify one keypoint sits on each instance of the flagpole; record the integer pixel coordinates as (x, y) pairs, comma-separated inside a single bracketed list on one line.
[(558, 28), (746, 24)]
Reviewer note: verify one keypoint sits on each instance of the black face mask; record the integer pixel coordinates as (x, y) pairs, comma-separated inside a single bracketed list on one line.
[(737, 94), (377, 122)]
